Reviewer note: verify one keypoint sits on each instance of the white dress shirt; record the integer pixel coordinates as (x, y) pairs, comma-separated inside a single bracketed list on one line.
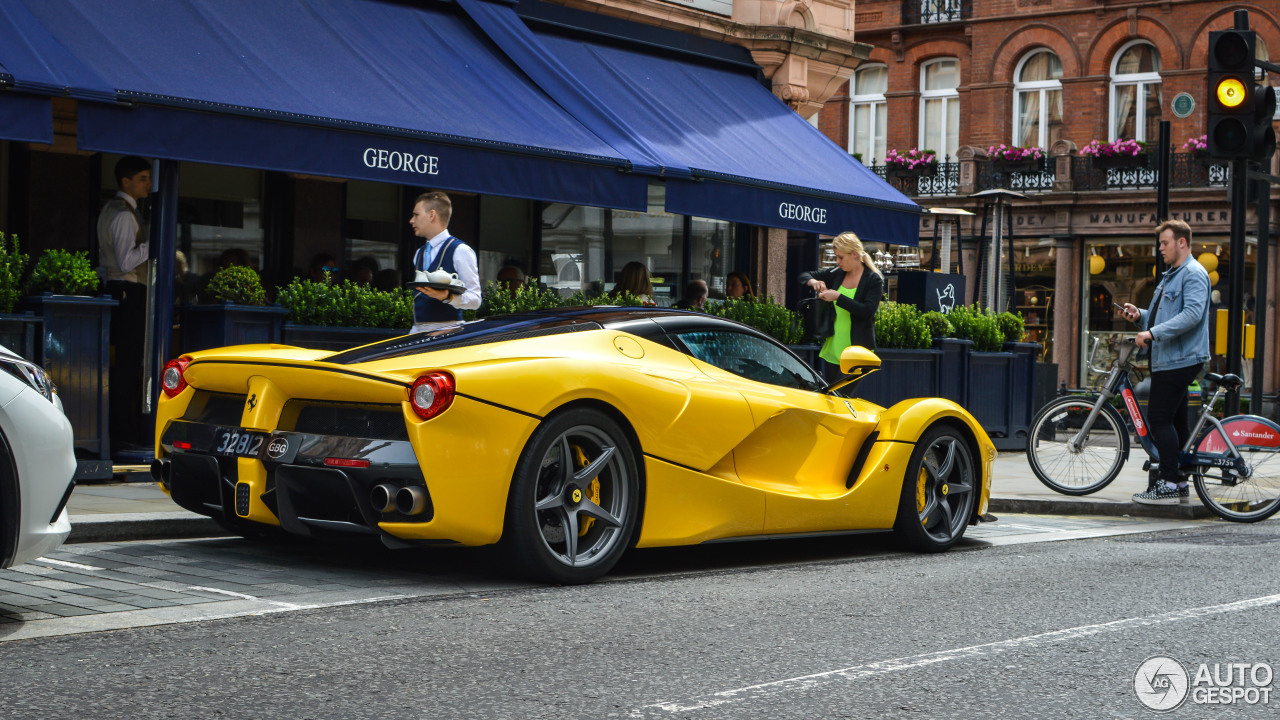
[(464, 262)]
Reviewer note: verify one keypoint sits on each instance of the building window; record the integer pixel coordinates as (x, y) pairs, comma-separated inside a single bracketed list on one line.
[(1037, 111), (1135, 93), (868, 114), (940, 106)]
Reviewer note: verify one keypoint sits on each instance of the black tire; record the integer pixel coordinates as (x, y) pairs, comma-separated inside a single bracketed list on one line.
[(939, 491), (570, 522), (1249, 499), (1081, 471)]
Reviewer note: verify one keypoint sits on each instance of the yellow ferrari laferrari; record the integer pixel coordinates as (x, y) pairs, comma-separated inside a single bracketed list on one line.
[(566, 437)]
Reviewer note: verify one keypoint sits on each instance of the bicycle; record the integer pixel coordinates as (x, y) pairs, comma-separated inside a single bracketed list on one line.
[(1077, 445)]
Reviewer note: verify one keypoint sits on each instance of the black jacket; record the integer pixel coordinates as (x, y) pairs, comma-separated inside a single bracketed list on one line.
[(861, 307)]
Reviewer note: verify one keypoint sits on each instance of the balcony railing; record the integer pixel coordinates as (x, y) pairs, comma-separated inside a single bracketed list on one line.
[(1187, 170), (942, 178), (923, 12), (1085, 173)]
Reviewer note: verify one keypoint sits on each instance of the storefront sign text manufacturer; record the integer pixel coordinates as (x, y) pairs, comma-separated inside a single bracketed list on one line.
[(807, 213), (416, 163)]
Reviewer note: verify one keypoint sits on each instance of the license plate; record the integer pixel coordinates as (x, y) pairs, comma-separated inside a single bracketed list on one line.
[(236, 442)]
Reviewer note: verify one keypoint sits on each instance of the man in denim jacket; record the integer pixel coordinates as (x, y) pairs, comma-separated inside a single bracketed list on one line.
[(1177, 330)]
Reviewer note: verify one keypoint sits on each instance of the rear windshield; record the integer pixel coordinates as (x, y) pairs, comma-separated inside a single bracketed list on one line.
[(478, 332)]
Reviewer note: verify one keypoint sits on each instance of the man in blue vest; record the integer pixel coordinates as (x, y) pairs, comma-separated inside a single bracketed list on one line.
[(433, 309)]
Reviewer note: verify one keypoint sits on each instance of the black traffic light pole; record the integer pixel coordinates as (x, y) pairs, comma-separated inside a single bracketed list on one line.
[(1240, 130), (1235, 306)]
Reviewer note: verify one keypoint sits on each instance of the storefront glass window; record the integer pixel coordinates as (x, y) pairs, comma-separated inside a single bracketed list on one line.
[(371, 234), (712, 257), (219, 219), (586, 248)]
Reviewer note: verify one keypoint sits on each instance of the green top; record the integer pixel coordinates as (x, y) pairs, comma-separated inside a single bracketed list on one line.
[(836, 344)]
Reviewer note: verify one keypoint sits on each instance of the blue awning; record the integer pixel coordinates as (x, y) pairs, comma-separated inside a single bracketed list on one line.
[(416, 95), (27, 118), (728, 147), (752, 159)]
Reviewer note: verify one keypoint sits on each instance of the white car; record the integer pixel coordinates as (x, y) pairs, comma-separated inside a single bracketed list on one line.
[(37, 463)]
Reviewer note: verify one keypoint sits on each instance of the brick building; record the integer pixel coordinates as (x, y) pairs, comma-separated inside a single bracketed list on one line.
[(959, 77)]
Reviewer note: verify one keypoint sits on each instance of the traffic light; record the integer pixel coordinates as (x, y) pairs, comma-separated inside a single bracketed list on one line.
[(1240, 109)]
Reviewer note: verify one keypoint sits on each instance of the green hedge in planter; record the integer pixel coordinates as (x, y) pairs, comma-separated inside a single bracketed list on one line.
[(899, 325), (764, 315), (13, 264), (346, 305), (1012, 327), (938, 324), (973, 323), (62, 273), (238, 285)]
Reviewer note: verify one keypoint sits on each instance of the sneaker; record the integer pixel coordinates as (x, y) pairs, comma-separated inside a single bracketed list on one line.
[(1162, 494)]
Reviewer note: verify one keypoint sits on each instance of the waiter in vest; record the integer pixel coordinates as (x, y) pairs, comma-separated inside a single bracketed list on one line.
[(432, 308), (122, 262)]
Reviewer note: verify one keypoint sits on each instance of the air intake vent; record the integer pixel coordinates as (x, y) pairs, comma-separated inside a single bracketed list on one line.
[(381, 422), (242, 499)]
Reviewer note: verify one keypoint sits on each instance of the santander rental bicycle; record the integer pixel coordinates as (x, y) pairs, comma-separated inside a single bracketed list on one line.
[(1078, 443)]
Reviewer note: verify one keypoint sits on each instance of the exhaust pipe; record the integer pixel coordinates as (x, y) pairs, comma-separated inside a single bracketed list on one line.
[(411, 500), (161, 471), (383, 498)]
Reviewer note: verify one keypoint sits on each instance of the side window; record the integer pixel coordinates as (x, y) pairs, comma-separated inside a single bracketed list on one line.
[(750, 357)]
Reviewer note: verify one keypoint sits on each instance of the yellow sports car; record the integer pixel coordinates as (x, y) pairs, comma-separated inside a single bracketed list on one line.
[(567, 437)]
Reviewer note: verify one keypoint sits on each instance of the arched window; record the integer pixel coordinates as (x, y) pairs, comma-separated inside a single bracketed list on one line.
[(940, 106), (868, 114), (1135, 93), (1037, 107)]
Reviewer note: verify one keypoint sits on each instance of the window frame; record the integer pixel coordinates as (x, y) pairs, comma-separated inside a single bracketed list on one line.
[(872, 101), (945, 95), (1142, 81), (1041, 88)]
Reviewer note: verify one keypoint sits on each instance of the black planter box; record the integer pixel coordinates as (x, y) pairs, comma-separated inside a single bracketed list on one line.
[(903, 374), (323, 337), (23, 334), (211, 326), (75, 349)]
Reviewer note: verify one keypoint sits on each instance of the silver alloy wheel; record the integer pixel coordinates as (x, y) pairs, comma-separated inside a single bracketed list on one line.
[(583, 496), (945, 488)]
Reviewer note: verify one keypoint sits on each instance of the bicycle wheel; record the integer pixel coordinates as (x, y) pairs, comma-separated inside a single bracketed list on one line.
[(1242, 499), (1091, 466)]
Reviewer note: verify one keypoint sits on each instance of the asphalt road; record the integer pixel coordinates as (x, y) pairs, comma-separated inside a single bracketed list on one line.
[(1005, 627)]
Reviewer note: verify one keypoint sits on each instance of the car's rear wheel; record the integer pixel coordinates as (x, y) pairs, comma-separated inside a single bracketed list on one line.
[(574, 499), (938, 492)]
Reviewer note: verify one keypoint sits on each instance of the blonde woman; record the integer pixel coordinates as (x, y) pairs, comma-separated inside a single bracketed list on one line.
[(849, 294)]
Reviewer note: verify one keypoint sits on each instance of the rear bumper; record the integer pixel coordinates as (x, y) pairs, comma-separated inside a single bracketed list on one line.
[(295, 490)]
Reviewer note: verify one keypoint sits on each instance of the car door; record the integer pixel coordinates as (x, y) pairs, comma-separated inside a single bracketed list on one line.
[(804, 442)]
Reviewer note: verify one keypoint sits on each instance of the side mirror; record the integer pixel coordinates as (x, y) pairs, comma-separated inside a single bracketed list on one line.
[(856, 362)]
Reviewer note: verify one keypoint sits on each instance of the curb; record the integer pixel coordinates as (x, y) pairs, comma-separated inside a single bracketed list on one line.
[(1194, 511), (123, 527)]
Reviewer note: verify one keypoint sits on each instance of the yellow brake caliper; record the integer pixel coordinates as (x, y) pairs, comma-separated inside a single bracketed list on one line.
[(592, 490), (920, 493)]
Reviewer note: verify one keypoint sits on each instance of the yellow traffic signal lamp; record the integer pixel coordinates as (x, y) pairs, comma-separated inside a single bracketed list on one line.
[(1230, 92)]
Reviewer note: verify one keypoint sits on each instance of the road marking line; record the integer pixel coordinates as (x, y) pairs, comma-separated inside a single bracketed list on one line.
[(290, 608), (64, 563), (242, 596), (858, 672)]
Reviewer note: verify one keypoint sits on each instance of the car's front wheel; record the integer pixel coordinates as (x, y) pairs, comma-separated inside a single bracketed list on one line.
[(574, 499), (938, 492)]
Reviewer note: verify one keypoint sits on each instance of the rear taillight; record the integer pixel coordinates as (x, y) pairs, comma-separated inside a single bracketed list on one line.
[(173, 379), (431, 394)]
